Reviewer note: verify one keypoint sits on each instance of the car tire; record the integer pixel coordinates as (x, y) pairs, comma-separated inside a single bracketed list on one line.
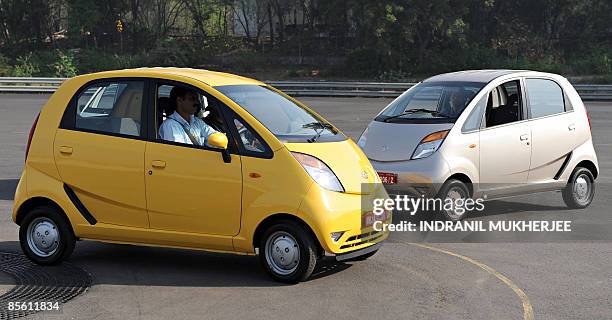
[(580, 189), (288, 252), (46, 236), (452, 189)]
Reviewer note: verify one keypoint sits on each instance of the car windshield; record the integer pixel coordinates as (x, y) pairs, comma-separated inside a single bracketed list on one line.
[(285, 119), (431, 101)]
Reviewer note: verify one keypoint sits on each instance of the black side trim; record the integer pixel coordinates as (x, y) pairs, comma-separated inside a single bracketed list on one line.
[(563, 166), (79, 205)]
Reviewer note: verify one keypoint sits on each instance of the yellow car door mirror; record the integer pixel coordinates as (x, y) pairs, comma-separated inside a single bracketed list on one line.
[(217, 140)]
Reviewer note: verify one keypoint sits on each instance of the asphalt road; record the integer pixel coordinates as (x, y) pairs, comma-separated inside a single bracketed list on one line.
[(559, 280)]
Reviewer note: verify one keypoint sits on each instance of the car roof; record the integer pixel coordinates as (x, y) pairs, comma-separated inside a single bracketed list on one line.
[(483, 76), (211, 78)]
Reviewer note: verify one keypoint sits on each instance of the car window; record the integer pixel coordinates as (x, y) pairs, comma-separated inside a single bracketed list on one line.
[(205, 111), (114, 107), (427, 98), (249, 140), (474, 120), (439, 101), (287, 120), (545, 97), (504, 104)]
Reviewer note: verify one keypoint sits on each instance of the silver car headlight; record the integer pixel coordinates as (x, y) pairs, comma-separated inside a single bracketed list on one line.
[(319, 172), (430, 144)]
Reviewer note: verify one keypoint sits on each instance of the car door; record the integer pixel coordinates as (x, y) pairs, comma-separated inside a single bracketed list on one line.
[(553, 128), (99, 152), (505, 147), (192, 189)]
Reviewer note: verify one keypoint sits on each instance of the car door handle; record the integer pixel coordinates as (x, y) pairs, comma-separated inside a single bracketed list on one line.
[(571, 127), (158, 164), (524, 137), (65, 150)]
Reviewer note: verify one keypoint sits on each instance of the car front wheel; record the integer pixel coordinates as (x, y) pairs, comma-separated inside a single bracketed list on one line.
[(288, 252), (453, 191)]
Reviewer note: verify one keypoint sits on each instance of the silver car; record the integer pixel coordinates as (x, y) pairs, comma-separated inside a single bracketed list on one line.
[(486, 134)]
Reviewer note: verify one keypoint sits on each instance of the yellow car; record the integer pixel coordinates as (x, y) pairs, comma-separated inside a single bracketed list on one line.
[(194, 159)]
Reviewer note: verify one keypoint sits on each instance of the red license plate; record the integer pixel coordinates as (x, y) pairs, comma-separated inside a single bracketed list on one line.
[(387, 177)]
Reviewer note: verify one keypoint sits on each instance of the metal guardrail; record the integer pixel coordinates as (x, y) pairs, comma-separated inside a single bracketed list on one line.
[(30, 85), (299, 88), (341, 89), (594, 92)]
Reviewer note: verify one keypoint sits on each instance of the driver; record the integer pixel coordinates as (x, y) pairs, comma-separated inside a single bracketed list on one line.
[(456, 103), (182, 126)]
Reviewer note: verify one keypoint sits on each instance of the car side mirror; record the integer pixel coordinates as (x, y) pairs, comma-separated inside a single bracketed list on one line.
[(218, 140)]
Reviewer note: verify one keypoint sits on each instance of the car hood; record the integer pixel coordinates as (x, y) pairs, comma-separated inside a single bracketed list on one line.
[(397, 141), (346, 160)]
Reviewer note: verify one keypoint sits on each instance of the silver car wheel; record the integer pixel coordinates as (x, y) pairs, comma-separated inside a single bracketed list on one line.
[(582, 188), (455, 193), (43, 237), (282, 253)]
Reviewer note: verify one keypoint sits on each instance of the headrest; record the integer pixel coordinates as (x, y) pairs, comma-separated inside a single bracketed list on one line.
[(512, 99), (163, 104)]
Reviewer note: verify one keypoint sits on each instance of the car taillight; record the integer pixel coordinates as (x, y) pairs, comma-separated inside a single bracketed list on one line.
[(588, 117), (31, 135)]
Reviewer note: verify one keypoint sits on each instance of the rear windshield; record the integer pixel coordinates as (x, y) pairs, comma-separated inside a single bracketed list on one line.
[(285, 119), (431, 102)]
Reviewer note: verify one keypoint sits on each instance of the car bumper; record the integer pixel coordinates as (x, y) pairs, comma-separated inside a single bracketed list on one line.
[(327, 212), (20, 196), (358, 253), (415, 177)]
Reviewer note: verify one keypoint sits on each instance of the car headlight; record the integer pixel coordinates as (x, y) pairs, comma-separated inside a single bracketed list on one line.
[(430, 144), (319, 172), (362, 140)]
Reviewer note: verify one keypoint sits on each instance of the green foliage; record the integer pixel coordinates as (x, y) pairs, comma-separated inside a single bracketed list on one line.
[(87, 16), (598, 61), (94, 60), (386, 40), (607, 79), (393, 76), (5, 68), (364, 62), (171, 52), (25, 67), (64, 66)]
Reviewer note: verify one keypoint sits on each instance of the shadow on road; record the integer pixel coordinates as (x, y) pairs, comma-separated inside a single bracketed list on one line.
[(500, 207), (114, 264), (7, 188)]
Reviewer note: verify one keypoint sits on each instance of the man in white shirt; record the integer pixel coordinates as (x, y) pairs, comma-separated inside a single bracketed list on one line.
[(182, 126)]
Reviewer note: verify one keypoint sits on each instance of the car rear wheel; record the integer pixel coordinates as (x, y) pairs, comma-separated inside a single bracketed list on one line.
[(288, 252), (580, 189), (453, 190), (45, 236)]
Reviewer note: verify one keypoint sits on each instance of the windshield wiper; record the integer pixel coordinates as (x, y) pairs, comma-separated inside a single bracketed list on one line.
[(318, 125), (415, 110)]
